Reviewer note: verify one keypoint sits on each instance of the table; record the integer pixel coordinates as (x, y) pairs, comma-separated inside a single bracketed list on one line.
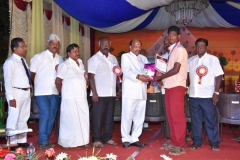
[(9, 134)]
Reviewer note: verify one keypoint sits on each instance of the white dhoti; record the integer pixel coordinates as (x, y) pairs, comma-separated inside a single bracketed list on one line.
[(74, 122)]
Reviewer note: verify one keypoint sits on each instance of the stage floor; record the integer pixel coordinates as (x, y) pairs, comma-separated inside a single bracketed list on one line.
[(230, 148)]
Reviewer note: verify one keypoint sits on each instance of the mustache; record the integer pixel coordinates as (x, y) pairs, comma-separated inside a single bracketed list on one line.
[(106, 49)]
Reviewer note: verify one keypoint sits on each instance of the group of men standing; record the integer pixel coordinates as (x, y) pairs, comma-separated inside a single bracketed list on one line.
[(70, 80)]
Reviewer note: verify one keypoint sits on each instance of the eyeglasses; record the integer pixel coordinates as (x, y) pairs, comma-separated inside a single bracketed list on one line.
[(22, 46)]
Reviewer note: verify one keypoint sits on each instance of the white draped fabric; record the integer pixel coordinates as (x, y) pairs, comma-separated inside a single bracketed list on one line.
[(144, 4), (21, 27), (208, 18), (57, 27), (125, 26), (85, 45), (47, 27)]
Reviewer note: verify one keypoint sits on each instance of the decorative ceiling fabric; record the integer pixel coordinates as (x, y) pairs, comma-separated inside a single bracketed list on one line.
[(117, 16)]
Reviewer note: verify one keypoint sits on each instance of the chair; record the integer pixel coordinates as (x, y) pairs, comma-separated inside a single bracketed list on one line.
[(154, 110), (34, 113), (229, 110)]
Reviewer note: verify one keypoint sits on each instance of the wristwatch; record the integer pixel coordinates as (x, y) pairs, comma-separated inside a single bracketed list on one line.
[(217, 93)]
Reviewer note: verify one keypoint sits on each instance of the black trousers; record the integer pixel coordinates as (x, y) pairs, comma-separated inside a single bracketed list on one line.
[(103, 119)]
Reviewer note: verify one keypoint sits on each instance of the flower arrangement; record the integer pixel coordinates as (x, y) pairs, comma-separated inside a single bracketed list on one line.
[(3, 152), (50, 155), (96, 157)]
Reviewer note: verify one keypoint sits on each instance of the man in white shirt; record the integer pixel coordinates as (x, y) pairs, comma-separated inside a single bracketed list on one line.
[(43, 74), (134, 94), (103, 92), (205, 75), (17, 86)]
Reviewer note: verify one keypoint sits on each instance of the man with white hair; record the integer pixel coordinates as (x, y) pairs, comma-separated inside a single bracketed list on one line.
[(43, 75)]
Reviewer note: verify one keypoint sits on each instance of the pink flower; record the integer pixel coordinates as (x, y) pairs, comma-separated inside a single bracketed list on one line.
[(9, 156), (50, 152)]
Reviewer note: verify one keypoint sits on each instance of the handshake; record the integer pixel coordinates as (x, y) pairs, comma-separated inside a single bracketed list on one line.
[(147, 78)]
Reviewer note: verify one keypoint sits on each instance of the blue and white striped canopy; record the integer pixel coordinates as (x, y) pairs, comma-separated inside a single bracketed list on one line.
[(117, 16)]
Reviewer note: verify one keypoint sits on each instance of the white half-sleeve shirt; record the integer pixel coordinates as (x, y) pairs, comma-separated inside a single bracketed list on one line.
[(207, 86), (14, 75), (105, 79), (43, 64), (74, 83)]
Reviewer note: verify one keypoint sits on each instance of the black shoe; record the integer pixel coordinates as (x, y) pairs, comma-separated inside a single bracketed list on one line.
[(126, 144), (24, 145), (138, 144), (215, 148)]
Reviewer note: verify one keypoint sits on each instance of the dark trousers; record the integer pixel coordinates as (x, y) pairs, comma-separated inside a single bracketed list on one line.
[(198, 108), (103, 119)]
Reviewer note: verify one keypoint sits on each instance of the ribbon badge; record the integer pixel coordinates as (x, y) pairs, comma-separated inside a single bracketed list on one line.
[(201, 71), (118, 72)]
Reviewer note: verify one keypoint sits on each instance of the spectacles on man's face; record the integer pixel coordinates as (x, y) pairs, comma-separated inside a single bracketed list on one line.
[(22, 46)]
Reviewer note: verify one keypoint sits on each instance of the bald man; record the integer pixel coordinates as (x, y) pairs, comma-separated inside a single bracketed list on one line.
[(134, 94)]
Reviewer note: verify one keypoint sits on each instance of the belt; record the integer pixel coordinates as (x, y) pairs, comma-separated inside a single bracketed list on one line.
[(25, 89)]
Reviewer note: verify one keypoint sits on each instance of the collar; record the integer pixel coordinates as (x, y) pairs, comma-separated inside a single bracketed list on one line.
[(17, 56), (101, 54), (134, 54), (171, 47), (205, 55), (50, 53)]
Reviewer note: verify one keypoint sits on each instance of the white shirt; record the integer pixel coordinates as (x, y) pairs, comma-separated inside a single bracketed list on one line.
[(166, 55), (74, 83), (14, 75), (207, 86), (43, 64), (105, 79)]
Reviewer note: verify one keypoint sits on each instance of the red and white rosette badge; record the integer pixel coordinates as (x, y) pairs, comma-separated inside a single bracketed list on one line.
[(201, 71), (118, 72)]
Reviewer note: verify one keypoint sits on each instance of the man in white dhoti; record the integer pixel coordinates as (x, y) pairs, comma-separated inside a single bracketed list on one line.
[(74, 112)]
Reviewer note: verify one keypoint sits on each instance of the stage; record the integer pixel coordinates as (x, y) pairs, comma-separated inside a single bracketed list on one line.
[(230, 148)]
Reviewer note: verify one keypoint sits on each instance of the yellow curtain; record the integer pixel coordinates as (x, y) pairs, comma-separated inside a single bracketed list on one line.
[(37, 29), (74, 31)]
